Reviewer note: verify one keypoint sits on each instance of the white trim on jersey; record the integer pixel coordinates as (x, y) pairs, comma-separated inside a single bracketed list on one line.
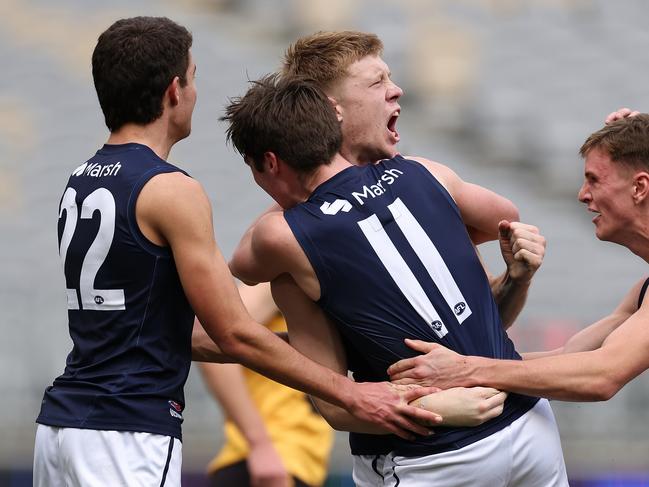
[(401, 273), (431, 258), (73, 457)]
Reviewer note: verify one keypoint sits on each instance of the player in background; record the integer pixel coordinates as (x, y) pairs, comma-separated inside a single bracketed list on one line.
[(273, 435), (140, 259), (599, 360), (378, 266)]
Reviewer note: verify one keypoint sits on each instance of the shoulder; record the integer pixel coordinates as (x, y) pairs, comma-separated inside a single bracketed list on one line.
[(272, 234), (173, 191), (170, 203), (444, 174)]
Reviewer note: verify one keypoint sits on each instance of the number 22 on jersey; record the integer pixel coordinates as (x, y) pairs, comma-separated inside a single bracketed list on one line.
[(91, 299)]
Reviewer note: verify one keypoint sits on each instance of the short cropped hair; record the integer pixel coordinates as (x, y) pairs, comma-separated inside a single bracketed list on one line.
[(325, 56), (626, 141), (133, 63), (290, 117)]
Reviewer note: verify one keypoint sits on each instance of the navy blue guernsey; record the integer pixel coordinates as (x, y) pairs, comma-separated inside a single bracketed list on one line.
[(129, 319), (394, 261)]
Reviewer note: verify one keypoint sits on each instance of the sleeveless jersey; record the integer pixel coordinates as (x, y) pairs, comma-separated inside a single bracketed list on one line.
[(129, 319), (394, 260)]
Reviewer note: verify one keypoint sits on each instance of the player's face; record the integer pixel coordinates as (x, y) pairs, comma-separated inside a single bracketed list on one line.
[(607, 191), (273, 185), (367, 102), (188, 100)]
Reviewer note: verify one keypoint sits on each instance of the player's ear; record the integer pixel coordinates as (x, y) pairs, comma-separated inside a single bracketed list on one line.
[(173, 91), (336, 106), (640, 186), (271, 162)]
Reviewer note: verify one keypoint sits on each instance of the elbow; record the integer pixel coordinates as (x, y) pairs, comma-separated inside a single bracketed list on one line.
[(336, 423), (232, 346), (235, 265), (602, 389)]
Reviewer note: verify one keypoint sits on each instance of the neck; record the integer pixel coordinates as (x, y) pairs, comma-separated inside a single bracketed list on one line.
[(359, 156), (639, 241), (354, 157), (324, 173), (152, 135)]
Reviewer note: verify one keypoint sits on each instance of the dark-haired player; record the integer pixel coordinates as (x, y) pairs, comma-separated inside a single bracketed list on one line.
[(140, 258)]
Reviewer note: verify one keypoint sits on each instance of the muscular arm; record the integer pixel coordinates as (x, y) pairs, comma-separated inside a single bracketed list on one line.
[(594, 375)]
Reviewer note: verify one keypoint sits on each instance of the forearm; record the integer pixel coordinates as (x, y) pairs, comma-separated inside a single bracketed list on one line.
[(341, 420), (227, 384), (274, 358), (204, 349), (537, 355), (585, 376), (510, 296)]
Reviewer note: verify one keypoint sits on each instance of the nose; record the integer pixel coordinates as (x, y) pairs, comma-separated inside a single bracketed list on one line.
[(394, 91), (584, 193)]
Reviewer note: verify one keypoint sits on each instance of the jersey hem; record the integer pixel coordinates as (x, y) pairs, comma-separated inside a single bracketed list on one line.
[(90, 425)]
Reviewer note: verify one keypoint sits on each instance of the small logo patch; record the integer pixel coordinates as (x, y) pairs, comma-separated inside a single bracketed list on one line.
[(335, 207), (178, 407), (175, 409), (437, 325), (459, 308)]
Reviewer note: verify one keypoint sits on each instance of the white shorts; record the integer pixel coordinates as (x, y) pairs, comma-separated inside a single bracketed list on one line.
[(527, 453), (73, 457)]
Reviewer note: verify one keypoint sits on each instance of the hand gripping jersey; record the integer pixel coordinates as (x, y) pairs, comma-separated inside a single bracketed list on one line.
[(129, 319), (394, 261)]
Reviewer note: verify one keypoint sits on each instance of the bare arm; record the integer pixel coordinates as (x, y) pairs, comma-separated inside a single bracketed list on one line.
[(203, 347), (581, 376), (321, 342), (523, 249), (227, 384), (592, 337)]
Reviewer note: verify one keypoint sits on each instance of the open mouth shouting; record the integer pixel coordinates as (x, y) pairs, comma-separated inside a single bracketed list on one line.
[(392, 126)]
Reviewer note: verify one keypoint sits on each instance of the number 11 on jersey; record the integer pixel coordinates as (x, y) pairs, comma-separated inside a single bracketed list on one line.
[(402, 274)]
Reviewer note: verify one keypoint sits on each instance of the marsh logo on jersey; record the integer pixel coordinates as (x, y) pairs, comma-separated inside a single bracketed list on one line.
[(389, 176), (335, 207), (96, 170)]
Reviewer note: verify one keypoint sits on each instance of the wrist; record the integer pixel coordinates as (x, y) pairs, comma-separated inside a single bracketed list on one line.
[(346, 391), (259, 439), (478, 369)]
